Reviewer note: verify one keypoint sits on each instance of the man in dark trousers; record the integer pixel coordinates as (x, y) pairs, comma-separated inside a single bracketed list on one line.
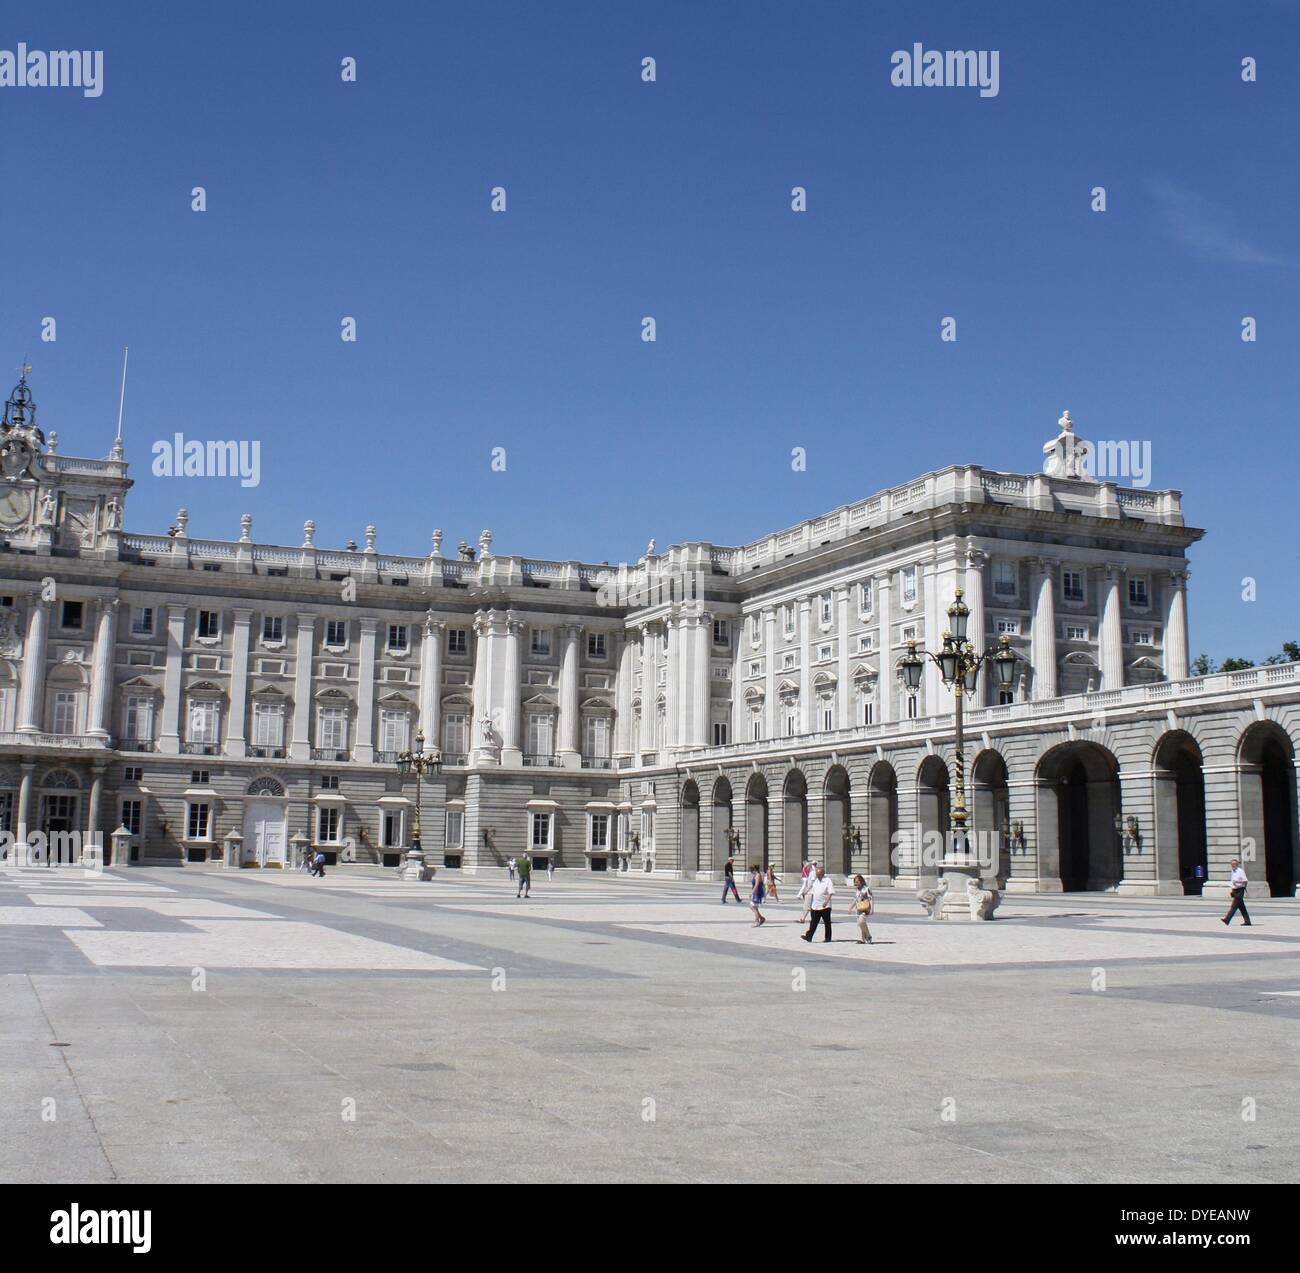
[(729, 880), (525, 876), (820, 903), (1237, 885)]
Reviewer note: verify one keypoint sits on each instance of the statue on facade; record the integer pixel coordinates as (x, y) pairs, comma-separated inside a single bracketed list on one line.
[(47, 507), (1067, 455)]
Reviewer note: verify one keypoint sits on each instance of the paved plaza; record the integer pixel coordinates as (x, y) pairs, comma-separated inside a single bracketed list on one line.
[(200, 1025)]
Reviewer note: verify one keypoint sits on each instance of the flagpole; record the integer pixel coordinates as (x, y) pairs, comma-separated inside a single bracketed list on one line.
[(121, 402)]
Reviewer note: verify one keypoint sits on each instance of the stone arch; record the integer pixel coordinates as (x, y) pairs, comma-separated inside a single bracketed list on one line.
[(59, 779), (990, 807), (265, 785), (722, 800), (1266, 794), (1079, 674), (1078, 802), (689, 828), (837, 819), (882, 823), (755, 843), (933, 816), (794, 794), (1179, 817)]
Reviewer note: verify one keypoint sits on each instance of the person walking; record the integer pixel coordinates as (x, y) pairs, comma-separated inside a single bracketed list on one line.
[(1237, 891), (863, 905), (819, 903), (806, 878), (729, 880), (771, 884), (525, 876), (510, 866), (318, 865), (756, 892), (550, 868)]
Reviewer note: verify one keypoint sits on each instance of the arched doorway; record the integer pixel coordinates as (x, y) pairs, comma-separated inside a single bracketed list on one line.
[(266, 837), (882, 823), (689, 829), (1268, 805), (1079, 801), (933, 816), (1180, 812), (721, 842), (837, 820), (795, 845), (991, 814), (755, 845)]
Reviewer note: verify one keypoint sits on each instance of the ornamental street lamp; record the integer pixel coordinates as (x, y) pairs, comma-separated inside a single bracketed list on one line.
[(418, 762), (959, 666)]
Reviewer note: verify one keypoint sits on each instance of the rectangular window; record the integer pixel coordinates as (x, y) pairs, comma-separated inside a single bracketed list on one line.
[(455, 829), (1137, 592), (753, 629), (756, 729), (756, 669), (65, 712), (133, 773), (539, 641), (787, 619), (139, 720), (541, 831), (327, 825), (595, 645), (131, 815), (600, 830), (866, 599), (336, 632), (397, 637), (1004, 578), (329, 782), (1072, 585), (457, 641), (1005, 697), (909, 632), (825, 652), (1141, 636), (394, 731), (789, 660), (826, 609), (909, 583), (272, 627), (595, 741), (390, 832), (455, 733), (911, 707), (868, 712), (791, 723), (332, 729), (200, 777), (1007, 627), (142, 620), (268, 724), (539, 733), (1073, 632), (198, 822), (828, 717), (719, 733), (866, 642), (72, 615), (209, 625), (721, 632)]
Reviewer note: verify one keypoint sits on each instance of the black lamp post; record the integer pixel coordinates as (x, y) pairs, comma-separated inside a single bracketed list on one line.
[(418, 762), (959, 666)]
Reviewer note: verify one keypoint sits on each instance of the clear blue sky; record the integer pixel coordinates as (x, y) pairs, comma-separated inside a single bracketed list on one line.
[(669, 199)]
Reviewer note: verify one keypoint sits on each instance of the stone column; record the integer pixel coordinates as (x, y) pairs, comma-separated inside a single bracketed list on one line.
[(843, 717), (673, 688), (431, 681), (363, 746), (92, 813), (1042, 649), (569, 755), (236, 742), (649, 739), (482, 676), (24, 810), (934, 622), (974, 585), (888, 682), (805, 666), (699, 736), (170, 740), (1111, 637), (31, 699), (769, 684), (101, 677), (511, 752), (300, 743), (1175, 640), (624, 743)]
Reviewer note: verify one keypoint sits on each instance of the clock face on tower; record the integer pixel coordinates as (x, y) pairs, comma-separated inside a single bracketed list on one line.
[(15, 506)]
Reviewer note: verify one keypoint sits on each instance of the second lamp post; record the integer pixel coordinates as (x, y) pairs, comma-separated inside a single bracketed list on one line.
[(418, 762)]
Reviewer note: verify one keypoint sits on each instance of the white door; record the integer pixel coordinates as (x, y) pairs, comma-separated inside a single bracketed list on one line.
[(264, 834)]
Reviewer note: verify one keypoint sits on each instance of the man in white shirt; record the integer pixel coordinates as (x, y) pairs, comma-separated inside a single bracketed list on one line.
[(819, 898), (806, 881), (1237, 884)]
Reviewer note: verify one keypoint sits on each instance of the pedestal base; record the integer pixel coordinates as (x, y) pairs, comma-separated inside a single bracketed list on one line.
[(414, 866)]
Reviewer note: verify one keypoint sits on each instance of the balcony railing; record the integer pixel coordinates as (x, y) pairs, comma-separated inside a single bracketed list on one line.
[(386, 757), (136, 744), (455, 758), (266, 753), (200, 749), (330, 753), (542, 760), (23, 739), (597, 762)]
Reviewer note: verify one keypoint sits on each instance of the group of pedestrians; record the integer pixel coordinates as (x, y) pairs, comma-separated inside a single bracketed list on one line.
[(522, 870), (816, 891)]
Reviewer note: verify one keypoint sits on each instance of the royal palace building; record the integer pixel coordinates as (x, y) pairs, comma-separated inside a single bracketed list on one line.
[(228, 701)]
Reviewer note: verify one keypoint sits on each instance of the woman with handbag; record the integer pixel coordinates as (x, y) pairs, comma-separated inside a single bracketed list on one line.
[(862, 907), (756, 894)]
